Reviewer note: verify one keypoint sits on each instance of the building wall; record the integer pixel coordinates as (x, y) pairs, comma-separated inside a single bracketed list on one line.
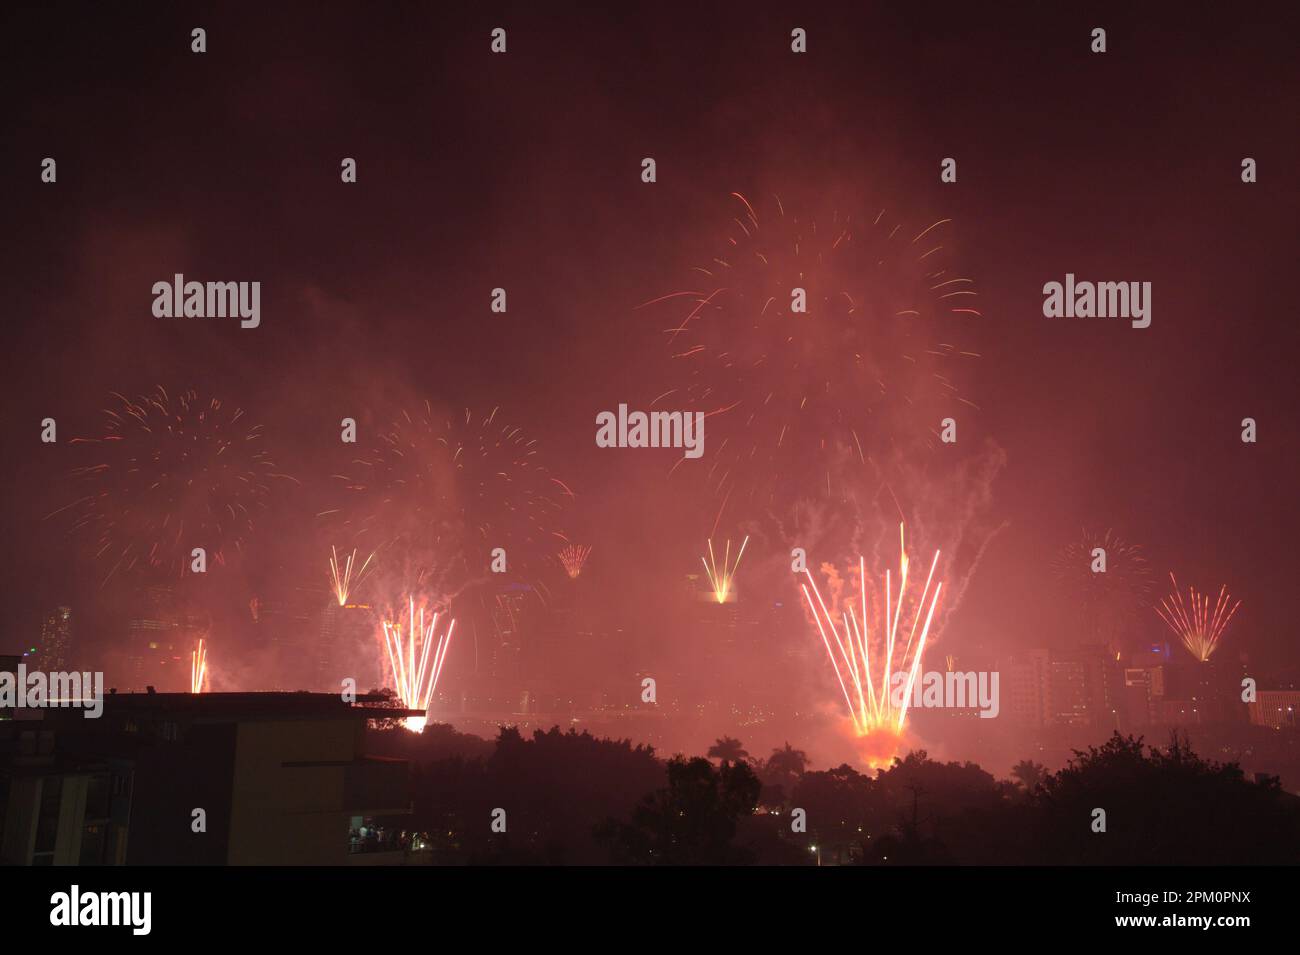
[(20, 821), (172, 779), (289, 779), (29, 813)]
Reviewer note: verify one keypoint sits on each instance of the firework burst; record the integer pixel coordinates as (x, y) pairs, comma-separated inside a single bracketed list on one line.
[(722, 576), (812, 342), (877, 692), (573, 557), (173, 473), (1109, 599), (1199, 627), (341, 577), (415, 659), (441, 490)]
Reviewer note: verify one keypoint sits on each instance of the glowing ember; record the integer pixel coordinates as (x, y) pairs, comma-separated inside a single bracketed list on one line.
[(198, 668), (341, 578), (721, 578), (877, 704), (573, 557), (1198, 628), (415, 671)]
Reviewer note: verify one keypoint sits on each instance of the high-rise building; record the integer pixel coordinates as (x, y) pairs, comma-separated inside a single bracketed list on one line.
[(1085, 687), (1143, 687), (56, 639), (347, 648), (1027, 681), (160, 638), (287, 632), (508, 631)]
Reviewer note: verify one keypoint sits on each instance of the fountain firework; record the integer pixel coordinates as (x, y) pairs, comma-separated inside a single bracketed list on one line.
[(876, 706)]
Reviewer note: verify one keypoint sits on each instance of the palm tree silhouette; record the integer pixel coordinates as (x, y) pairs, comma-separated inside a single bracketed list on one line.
[(728, 750)]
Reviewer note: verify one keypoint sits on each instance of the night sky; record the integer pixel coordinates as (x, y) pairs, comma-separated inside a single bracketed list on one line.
[(522, 171)]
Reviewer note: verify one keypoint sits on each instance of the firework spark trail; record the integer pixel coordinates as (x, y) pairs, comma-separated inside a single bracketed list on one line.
[(870, 699), (798, 384), (438, 486), (341, 580), (415, 680), (198, 668), (174, 472), (1198, 627), (573, 557), (721, 579), (1128, 574)]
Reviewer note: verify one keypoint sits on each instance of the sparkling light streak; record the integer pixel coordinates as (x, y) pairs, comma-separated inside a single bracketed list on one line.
[(199, 668), (1198, 627), (341, 579), (415, 661), (572, 557), (722, 578), (871, 688)]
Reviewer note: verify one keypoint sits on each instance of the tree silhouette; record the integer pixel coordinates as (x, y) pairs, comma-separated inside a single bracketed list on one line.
[(787, 761), (1166, 806), (691, 822), (728, 750), (1029, 774)]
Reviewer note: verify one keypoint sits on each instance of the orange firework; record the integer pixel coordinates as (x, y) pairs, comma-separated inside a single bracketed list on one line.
[(416, 660), (341, 578), (199, 668), (1198, 627), (573, 557), (872, 690), (722, 578)]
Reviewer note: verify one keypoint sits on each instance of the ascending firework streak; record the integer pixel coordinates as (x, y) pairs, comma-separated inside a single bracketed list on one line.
[(721, 580), (342, 579), (573, 557), (872, 703), (416, 679), (198, 668), (1199, 629)]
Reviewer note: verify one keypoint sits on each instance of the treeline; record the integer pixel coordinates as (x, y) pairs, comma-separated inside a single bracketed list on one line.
[(570, 798)]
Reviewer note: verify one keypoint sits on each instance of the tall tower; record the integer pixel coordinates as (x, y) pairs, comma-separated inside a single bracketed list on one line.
[(56, 639)]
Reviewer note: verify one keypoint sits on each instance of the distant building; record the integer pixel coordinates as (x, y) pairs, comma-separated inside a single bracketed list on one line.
[(1191, 692), (160, 638), (56, 640), (1081, 686), (1279, 709), (287, 630), (1084, 687), (348, 647), (1025, 688), (1142, 688)]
